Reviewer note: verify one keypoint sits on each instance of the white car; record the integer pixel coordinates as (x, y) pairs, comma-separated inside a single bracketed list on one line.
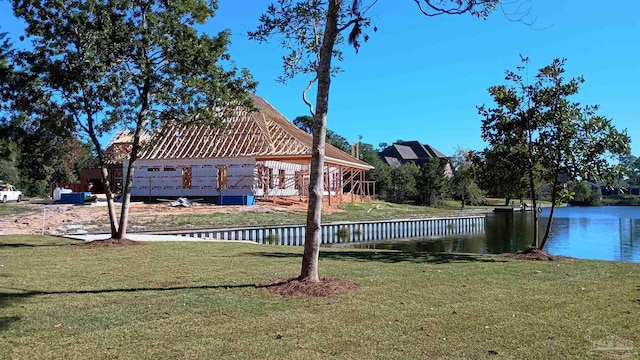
[(10, 193)]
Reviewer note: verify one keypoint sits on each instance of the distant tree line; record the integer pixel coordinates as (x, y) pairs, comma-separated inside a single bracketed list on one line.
[(495, 172), (408, 183), (535, 131), (35, 151), (87, 69)]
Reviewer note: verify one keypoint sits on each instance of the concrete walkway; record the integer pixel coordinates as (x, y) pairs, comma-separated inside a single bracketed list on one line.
[(151, 237)]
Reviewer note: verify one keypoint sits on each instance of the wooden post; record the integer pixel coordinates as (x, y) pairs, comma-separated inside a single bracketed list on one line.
[(352, 189), (341, 187), (328, 182), (309, 183)]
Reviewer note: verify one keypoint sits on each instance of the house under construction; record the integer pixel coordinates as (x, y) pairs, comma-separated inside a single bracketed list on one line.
[(116, 152), (258, 153)]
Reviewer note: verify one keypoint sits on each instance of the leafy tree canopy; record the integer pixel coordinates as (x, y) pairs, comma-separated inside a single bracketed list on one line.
[(305, 123), (432, 184), (502, 173), (554, 137), (464, 184), (312, 33), (108, 64)]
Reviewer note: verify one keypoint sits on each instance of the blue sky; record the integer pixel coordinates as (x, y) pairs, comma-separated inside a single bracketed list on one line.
[(421, 78)]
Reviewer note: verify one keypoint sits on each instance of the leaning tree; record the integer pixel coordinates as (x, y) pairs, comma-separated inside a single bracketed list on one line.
[(313, 32), (557, 139), (129, 64)]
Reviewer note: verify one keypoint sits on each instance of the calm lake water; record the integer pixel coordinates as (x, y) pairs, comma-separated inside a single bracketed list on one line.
[(602, 233)]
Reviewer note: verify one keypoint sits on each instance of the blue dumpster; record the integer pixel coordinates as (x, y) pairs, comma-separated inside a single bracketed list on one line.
[(236, 200), (74, 197)]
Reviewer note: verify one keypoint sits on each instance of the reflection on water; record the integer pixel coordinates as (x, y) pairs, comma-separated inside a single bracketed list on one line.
[(604, 233)]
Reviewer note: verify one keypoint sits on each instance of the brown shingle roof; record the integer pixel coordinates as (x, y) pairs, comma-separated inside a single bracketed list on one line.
[(262, 133)]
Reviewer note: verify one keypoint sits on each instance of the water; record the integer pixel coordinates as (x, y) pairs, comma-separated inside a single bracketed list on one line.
[(601, 233)]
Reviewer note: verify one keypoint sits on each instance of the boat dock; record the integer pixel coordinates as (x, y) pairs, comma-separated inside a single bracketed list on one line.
[(513, 209)]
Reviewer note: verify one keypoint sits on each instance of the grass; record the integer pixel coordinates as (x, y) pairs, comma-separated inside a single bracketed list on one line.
[(621, 200), (491, 203), (216, 220), (197, 301), (13, 209), (349, 212), (384, 211), (455, 204)]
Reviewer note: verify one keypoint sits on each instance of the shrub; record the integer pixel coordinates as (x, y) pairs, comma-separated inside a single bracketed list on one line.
[(273, 239), (344, 234)]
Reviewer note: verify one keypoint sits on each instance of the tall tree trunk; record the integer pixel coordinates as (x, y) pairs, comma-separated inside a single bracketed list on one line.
[(128, 184), (110, 201), (313, 236), (554, 196), (135, 147), (532, 188), (105, 178), (145, 92), (534, 210), (548, 229), (126, 200), (91, 131)]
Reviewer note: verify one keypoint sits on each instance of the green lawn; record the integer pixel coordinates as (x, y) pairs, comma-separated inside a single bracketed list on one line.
[(350, 212), (197, 301), (491, 203), (13, 209), (384, 211)]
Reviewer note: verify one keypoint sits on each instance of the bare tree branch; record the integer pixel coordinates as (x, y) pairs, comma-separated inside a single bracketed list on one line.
[(432, 10), (304, 96), (351, 22), (520, 15), (316, 39)]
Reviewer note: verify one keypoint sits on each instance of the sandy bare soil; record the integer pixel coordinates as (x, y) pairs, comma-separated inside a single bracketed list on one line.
[(46, 217)]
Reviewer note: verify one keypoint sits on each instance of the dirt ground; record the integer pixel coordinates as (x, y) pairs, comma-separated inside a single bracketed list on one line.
[(536, 255), (46, 217), (294, 287)]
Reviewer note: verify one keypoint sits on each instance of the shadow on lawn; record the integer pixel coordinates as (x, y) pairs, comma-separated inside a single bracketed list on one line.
[(389, 256), (20, 245), (8, 297), (5, 321)]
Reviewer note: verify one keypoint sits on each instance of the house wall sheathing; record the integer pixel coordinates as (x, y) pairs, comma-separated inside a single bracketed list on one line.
[(245, 176), (168, 177), (272, 184)]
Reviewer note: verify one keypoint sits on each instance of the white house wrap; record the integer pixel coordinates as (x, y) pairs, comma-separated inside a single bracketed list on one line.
[(258, 153)]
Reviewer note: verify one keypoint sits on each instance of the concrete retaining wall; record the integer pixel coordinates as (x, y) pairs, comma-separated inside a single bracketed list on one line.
[(348, 231)]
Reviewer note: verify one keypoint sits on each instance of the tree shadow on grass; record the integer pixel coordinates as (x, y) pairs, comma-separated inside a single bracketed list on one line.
[(390, 256), (17, 294), (23, 293), (21, 245), (6, 321)]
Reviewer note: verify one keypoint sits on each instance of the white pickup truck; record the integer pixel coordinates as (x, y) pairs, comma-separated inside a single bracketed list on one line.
[(10, 193)]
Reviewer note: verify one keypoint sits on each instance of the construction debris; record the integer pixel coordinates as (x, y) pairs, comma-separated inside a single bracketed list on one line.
[(181, 202)]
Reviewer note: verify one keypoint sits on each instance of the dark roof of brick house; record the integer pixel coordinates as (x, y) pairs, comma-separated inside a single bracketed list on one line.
[(410, 151)]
